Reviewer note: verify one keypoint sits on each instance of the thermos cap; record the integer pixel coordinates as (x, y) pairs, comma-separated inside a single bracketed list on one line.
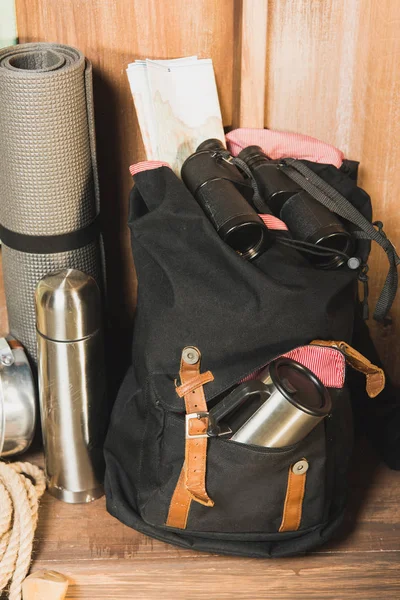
[(68, 306)]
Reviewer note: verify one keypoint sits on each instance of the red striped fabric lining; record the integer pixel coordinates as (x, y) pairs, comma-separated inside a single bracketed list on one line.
[(283, 144), (328, 364), (276, 144), (146, 165), (272, 222)]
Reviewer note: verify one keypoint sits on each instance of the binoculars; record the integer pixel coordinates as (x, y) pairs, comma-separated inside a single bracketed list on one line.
[(225, 193)]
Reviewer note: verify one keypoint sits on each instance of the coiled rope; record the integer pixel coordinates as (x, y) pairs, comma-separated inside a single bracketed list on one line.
[(21, 486)]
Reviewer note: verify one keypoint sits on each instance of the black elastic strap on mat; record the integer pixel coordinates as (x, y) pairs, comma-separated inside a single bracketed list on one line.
[(334, 201), (51, 244)]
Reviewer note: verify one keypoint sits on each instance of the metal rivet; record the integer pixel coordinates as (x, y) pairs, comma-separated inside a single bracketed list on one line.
[(300, 467), (190, 355), (353, 262)]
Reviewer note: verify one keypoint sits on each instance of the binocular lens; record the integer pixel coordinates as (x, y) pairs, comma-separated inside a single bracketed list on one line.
[(340, 242), (246, 238)]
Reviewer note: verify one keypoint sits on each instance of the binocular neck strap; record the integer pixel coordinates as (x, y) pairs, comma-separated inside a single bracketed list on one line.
[(329, 197), (257, 200), (238, 162)]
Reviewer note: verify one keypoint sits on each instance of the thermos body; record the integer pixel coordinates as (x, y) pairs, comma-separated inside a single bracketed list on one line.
[(72, 384)]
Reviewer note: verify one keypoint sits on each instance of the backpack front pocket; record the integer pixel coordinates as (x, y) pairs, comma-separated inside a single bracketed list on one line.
[(248, 484), (254, 489)]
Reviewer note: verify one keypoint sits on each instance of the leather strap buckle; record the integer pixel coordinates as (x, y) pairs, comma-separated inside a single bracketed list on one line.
[(195, 415), (192, 480)]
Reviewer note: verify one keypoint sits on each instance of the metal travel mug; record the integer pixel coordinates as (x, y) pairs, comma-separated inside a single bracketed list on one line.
[(72, 387), (296, 402)]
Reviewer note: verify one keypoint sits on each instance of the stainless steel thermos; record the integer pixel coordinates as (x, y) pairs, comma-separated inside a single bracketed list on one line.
[(72, 386), (281, 407)]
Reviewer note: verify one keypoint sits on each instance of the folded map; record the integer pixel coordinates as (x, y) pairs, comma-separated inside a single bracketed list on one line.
[(177, 106)]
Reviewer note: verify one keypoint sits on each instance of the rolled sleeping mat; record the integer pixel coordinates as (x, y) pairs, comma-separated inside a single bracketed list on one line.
[(49, 191)]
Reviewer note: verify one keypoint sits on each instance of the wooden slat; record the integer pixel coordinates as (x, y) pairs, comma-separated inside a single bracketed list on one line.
[(251, 63), (70, 533), (329, 578), (112, 34), (332, 73), (3, 308)]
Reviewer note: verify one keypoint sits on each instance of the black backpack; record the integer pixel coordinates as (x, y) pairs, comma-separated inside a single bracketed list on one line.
[(164, 476)]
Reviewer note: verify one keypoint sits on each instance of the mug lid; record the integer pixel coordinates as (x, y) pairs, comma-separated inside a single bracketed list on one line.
[(300, 387)]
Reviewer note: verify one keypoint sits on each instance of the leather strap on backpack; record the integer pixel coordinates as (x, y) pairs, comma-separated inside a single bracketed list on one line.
[(374, 375), (296, 488), (192, 480)]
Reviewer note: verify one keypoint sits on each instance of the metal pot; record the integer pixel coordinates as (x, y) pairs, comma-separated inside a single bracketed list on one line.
[(17, 399)]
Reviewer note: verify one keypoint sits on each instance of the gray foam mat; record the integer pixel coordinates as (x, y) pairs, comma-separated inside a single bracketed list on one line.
[(48, 168)]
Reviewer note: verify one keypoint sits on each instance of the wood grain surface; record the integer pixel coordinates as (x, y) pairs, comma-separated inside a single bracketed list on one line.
[(104, 559), (333, 73), (249, 103), (331, 578)]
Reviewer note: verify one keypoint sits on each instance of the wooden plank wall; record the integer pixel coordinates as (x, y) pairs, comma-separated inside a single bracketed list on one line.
[(331, 71), (111, 34)]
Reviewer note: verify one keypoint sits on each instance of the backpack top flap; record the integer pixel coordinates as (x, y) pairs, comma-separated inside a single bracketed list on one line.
[(194, 290)]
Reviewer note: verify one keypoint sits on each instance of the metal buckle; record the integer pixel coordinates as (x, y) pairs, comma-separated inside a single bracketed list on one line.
[(213, 429), (223, 155), (195, 415)]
